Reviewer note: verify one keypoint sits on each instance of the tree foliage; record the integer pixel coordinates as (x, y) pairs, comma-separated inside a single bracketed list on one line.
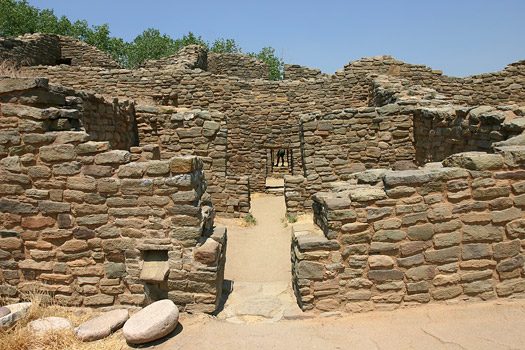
[(275, 64), (18, 18), (222, 45)]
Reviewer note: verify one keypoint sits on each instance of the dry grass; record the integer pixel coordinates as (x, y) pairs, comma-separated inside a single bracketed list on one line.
[(19, 337), (9, 69)]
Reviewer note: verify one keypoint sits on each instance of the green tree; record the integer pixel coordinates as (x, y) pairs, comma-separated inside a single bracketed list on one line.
[(189, 39), (275, 64), (17, 18), (221, 45), (150, 45)]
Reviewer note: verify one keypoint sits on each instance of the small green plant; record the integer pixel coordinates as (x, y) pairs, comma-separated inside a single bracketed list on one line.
[(291, 218), (250, 220)]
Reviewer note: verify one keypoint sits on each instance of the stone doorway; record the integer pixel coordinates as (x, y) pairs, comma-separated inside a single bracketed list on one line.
[(279, 170)]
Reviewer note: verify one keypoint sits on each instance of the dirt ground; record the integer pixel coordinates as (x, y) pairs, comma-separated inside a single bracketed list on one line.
[(477, 326)]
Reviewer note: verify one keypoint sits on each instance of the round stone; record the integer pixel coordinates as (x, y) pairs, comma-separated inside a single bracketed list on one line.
[(102, 326), (44, 325), (17, 311), (151, 323)]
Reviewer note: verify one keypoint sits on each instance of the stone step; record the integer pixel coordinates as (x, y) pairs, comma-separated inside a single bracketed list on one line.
[(251, 302)]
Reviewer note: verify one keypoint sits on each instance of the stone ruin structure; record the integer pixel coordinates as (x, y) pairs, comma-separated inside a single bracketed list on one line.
[(111, 177)]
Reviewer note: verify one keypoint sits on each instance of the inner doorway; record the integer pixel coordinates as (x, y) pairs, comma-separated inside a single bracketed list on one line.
[(281, 162)]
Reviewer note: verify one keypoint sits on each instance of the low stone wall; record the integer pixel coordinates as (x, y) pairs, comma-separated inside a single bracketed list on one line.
[(418, 236), (30, 50), (76, 53), (237, 65), (417, 128), (297, 72), (47, 108), (188, 57), (441, 132), (95, 226), (179, 131)]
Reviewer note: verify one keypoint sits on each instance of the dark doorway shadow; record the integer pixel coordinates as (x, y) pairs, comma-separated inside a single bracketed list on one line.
[(227, 289)]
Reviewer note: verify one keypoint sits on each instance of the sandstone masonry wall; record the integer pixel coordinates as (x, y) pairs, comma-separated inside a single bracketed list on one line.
[(67, 109), (426, 236), (237, 65), (94, 228), (398, 135), (179, 131), (502, 87), (297, 72), (30, 50), (77, 53)]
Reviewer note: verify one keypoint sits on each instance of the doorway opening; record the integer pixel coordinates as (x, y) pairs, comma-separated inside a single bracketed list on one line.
[(279, 163)]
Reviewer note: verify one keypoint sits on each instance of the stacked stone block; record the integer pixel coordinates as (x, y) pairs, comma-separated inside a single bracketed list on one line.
[(440, 132), (237, 65), (92, 227), (418, 236), (297, 72), (179, 131), (76, 53), (47, 108), (30, 50)]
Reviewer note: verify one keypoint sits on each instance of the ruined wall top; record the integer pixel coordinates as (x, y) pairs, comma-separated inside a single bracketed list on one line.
[(188, 57), (237, 65), (30, 50), (77, 53)]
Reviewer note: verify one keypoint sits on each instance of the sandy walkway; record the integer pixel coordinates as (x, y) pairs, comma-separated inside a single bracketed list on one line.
[(258, 263), (259, 253), (476, 326)]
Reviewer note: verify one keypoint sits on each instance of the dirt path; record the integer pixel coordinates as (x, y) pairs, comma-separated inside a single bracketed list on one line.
[(477, 326), (259, 253), (258, 263)]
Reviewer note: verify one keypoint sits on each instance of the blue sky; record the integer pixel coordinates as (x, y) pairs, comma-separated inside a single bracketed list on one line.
[(461, 37)]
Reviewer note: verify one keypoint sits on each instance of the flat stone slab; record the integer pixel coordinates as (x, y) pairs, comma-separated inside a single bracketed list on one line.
[(102, 326), (48, 324), (313, 242), (17, 312), (151, 323)]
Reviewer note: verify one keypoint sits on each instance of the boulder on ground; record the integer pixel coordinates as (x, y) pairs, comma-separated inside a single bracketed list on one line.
[(44, 325), (151, 323), (102, 326), (17, 311)]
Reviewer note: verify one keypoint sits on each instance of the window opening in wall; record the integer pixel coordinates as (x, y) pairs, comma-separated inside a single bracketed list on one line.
[(66, 61), (154, 274)]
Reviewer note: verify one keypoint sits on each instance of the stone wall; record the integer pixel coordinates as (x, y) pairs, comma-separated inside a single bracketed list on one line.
[(30, 50), (94, 228), (179, 131), (77, 53), (415, 128), (440, 132), (337, 144), (261, 114), (297, 72), (502, 87), (237, 65), (188, 57), (54, 108), (416, 237)]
